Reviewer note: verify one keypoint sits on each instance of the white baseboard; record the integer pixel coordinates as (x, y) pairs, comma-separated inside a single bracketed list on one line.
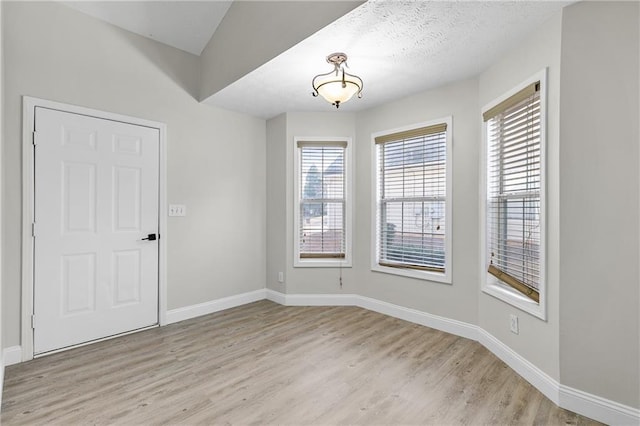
[(547, 385), (580, 402), (277, 297), (597, 408), (12, 355), (312, 299), (440, 323), (447, 325), (188, 312)]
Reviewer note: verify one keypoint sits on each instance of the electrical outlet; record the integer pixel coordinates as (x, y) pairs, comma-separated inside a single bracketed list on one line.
[(513, 324), (177, 210), (280, 277)]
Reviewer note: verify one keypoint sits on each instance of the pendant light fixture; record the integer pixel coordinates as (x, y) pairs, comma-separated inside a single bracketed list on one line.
[(337, 86)]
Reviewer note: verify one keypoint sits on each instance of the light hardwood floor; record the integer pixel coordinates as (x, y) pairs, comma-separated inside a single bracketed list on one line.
[(264, 363)]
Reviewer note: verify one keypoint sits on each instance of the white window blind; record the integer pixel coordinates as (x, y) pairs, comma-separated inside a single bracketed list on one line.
[(322, 199), (513, 191), (412, 198)]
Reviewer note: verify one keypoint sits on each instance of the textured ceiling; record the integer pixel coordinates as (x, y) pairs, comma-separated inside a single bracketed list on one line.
[(187, 25), (396, 47)]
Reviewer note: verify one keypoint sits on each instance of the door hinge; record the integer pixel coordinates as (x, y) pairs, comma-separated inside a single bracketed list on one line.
[(34, 138), (33, 321), (33, 229)]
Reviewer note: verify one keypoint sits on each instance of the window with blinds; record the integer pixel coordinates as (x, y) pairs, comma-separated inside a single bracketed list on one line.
[(412, 191), (513, 210), (321, 195)]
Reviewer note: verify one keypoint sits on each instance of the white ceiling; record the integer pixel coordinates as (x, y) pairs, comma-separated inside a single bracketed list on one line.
[(187, 25), (396, 47)]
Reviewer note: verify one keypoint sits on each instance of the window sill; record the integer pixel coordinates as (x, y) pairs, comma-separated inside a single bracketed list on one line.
[(443, 278), (495, 288), (321, 263)]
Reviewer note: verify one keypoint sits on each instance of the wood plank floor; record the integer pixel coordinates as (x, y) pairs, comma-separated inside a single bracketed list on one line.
[(264, 363)]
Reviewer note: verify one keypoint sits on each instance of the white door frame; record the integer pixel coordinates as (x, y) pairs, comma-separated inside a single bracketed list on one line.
[(28, 193)]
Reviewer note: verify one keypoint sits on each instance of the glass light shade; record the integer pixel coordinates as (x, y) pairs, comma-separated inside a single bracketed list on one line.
[(337, 86), (330, 87)]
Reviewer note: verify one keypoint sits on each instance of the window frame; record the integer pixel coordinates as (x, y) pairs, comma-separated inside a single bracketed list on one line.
[(490, 284), (412, 272), (323, 262)]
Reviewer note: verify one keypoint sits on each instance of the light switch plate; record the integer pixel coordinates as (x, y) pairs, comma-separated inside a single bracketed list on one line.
[(177, 210)]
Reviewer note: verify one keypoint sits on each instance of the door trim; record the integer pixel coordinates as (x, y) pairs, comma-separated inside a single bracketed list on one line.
[(28, 193)]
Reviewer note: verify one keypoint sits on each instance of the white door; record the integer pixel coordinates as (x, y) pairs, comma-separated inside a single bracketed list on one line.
[(96, 198)]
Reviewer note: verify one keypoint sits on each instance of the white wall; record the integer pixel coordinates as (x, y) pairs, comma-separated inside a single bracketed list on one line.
[(538, 340), (599, 196), (216, 158)]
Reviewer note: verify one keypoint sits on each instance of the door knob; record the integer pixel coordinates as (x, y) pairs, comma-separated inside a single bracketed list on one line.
[(150, 237)]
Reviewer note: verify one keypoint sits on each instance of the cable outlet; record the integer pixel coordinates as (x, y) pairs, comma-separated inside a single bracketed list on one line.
[(513, 324), (280, 277)]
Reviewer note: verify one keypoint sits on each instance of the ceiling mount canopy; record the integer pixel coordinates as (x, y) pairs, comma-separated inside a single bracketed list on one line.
[(337, 86)]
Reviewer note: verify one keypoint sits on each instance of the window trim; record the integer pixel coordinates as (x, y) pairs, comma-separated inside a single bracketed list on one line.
[(299, 260), (422, 274), (490, 284)]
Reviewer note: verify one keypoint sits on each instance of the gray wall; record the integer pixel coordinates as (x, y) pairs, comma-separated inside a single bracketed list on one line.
[(328, 124), (538, 340), (1, 188), (56, 53), (458, 300), (281, 132), (276, 201), (599, 188)]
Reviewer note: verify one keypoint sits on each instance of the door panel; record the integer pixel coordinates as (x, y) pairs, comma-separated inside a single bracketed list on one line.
[(126, 277), (127, 193), (79, 197), (78, 284), (96, 197)]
